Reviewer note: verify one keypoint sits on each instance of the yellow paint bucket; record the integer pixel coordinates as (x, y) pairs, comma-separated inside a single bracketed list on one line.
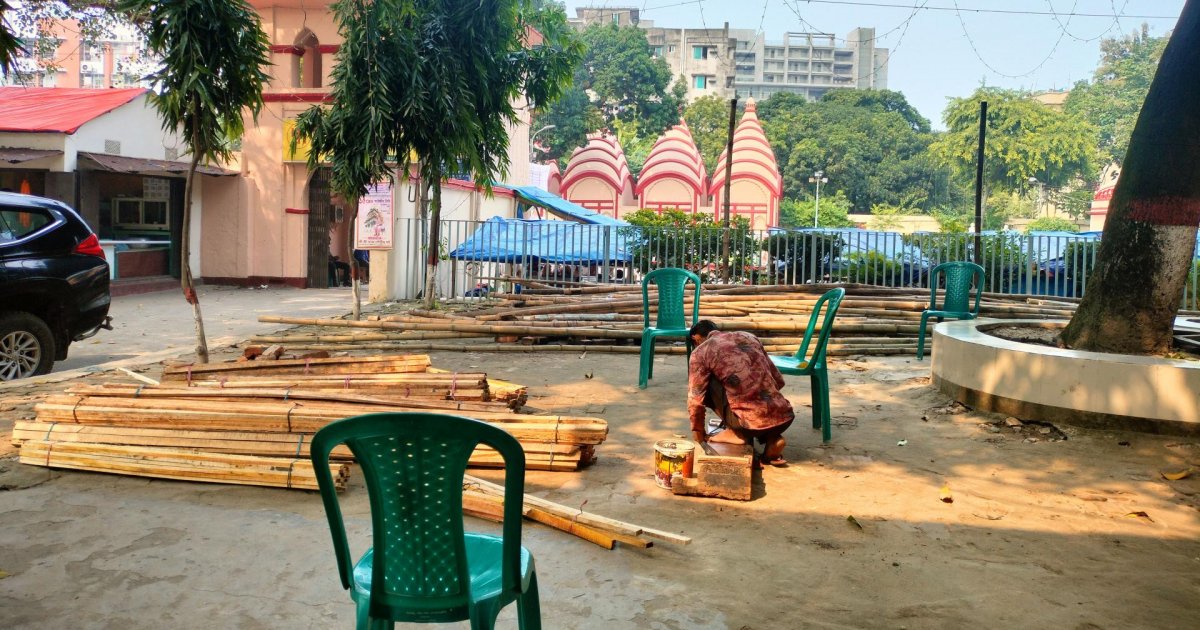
[(672, 457)]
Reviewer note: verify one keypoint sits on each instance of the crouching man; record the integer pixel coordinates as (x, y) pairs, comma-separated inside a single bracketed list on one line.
[(731, 374)]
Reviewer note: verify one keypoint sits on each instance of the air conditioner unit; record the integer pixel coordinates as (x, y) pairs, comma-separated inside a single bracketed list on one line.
[(89, 67)]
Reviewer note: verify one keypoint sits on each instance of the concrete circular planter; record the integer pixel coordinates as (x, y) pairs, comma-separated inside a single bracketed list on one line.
[(1043, 383)]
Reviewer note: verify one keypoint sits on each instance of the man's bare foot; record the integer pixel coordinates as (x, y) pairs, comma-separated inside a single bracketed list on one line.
[(727, 437), (773, 452)]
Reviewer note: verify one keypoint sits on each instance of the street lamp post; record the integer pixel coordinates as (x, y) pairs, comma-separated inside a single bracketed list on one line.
[(534, 136), (1041, 198), (818, 178)]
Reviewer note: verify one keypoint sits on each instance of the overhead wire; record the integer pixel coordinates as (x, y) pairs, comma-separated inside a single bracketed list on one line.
[(975, 49), (956, 9), (1064, 26), (902, 26)]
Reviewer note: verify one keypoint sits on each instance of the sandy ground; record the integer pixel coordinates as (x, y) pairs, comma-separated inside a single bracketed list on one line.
[(1039, 533), (161, 322)]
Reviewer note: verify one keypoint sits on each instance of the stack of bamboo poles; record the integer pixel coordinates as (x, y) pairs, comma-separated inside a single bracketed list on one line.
[(872, 320), (252, 424)]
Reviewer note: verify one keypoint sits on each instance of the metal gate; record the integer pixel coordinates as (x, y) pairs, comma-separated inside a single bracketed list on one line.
[(319, 210)]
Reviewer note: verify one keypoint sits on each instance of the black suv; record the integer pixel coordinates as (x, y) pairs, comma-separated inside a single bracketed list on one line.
[(53, 284)]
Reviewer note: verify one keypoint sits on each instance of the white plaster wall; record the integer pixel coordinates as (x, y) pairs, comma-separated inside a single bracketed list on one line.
[(45, 141), (1115, 384), (135, 125)]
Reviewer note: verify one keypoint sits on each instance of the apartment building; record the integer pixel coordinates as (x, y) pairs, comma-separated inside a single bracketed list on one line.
[(67, 61), (740, 62), (809, 64), (702, 57)]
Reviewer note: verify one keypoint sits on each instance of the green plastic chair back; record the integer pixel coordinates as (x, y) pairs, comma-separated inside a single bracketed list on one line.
[(960, 276), (672, 321), (812, 363), (670, 283), (830, 302), (956, 300), (413, 465)]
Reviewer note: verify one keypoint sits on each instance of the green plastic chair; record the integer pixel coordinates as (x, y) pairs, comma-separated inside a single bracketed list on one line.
[(957, 298), (422, 567), (671, 321), (814, 366)]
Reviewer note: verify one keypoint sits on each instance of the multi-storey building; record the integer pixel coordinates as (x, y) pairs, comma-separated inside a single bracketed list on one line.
[(740, 62), (702, 57), (809, 64), (67, 61)]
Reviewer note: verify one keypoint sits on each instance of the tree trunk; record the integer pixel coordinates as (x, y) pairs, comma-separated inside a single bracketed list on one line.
[(1149, 239), (434, 250), (185, 277), (355, 271)]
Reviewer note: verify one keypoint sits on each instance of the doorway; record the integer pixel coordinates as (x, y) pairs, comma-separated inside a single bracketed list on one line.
[(320, 208)]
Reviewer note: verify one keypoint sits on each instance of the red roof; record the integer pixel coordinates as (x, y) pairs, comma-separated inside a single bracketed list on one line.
[(58, 110)]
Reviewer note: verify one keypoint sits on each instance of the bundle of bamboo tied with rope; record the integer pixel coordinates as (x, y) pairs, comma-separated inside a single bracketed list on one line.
[(252, 422)]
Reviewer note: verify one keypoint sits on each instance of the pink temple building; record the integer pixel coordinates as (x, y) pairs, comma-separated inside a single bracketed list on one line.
[(757, 186), (598, 177), (673, 175)]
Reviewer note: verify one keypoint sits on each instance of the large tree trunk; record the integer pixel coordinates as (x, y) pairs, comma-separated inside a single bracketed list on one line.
[(185, 277), (355, 271), (1137, 286), (434, 248)]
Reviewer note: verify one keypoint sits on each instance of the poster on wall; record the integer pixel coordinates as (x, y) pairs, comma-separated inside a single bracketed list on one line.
[(373, 229)]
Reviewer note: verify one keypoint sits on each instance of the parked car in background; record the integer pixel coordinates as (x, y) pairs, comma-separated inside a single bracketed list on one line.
[(53, 284)]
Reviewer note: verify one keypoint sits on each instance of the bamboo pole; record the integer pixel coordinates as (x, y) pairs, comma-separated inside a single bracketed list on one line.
[(179, 464)]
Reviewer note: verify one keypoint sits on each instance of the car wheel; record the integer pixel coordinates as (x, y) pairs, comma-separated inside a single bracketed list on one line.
[(26, 346)]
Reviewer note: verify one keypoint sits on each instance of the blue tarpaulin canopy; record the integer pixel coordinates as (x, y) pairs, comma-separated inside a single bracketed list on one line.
[(518, 240), (562, 208)]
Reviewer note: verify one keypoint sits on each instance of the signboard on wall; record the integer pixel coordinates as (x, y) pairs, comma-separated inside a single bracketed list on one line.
[(373, 228), (302, 146)]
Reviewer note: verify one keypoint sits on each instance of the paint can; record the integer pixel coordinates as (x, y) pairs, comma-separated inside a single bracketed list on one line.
[(672, 457)]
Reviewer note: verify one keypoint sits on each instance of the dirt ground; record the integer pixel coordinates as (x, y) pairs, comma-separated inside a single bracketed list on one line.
[(1043, 530)]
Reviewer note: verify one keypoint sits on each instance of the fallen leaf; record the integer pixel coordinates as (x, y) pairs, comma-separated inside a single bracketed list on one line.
[(1142, 516), (1122, 443), (588, 375), (1176, 476), (4, 574), (902, 443), (946, 495), (854, 522)]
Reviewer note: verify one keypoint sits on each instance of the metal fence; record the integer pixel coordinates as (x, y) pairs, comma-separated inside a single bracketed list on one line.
[(479, 258)]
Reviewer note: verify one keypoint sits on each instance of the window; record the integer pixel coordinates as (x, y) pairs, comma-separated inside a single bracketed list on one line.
[(17, 223), (656, 51), (617, 19), (140, 214), (699, 52), (701, 82), (671, 49)]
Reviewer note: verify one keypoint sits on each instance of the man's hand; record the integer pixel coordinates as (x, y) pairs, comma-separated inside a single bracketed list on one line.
[(700, 436)]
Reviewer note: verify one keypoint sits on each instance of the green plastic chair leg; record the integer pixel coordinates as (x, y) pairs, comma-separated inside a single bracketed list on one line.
[(646, 361), (826, 413), (529, 610), (815, 385), (921, 337), (363, 614)]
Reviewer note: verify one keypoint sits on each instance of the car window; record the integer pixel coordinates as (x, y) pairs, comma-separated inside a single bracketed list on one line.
[(17, 223)]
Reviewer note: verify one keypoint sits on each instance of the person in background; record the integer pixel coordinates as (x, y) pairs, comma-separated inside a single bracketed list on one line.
[(339, 272), (364, 264), (731, 374)]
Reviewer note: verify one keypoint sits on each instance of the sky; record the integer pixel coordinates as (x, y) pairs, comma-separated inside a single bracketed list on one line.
[(945, 49)]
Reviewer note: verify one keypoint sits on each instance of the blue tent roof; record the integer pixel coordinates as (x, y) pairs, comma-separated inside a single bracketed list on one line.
[(562, 208), (515, 240)]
